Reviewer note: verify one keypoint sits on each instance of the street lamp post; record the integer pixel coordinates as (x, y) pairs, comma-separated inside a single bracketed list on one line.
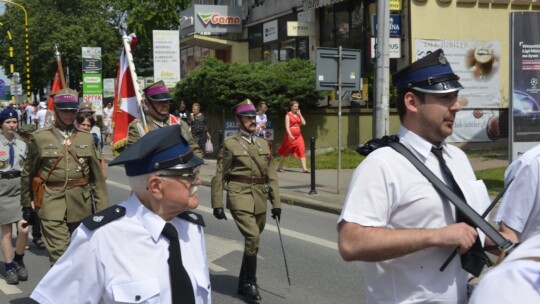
[(27, 47)]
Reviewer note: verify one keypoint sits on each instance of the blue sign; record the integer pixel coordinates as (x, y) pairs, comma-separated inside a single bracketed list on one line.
[(395, 25)]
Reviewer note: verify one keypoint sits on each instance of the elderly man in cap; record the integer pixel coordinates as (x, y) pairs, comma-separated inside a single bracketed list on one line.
[(61, 177), (246, 171), (120, 254), (158, 101), (393, 218)]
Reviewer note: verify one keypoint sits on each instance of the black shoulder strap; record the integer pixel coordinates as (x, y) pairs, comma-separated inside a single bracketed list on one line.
[(461, 205), (104, 217), (192, 217)]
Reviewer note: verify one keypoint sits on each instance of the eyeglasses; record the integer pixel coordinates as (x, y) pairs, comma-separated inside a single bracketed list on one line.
[(190, 177)]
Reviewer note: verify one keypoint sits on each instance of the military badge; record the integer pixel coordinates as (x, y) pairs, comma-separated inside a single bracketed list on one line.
[(442, 58)]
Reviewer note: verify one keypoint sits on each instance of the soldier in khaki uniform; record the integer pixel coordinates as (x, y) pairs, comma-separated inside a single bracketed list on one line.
[(158, 101), (66, 161), (245, 169)]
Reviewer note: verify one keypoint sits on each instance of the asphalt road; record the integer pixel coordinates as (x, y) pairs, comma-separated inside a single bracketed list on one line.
[(317, 273)]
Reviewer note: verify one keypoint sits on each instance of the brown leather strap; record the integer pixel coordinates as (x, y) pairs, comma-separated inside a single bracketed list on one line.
[(70, 183), (248, 180)]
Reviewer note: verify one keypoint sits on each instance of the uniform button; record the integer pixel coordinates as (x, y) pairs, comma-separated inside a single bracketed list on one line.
[(137, 298)]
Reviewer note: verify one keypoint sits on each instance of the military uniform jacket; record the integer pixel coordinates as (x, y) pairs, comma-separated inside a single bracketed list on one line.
[(234, 160), (136, 128), (71, 202)]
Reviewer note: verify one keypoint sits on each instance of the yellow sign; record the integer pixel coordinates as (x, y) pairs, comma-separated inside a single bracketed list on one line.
[(395, 5)]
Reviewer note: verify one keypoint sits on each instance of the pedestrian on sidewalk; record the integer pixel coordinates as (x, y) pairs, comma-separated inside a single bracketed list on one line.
[(12, 152), (293, 142), (245, 170), (147, 249), (393, 218)]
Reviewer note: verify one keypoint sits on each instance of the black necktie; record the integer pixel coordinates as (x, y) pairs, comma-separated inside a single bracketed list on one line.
[(181, 288), (473, 261), (11, 155)]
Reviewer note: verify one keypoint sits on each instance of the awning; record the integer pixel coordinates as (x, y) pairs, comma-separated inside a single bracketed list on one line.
[(209, 42), (309, 4)]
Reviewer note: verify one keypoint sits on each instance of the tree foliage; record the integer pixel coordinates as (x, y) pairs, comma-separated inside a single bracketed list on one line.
[(72, 24), (217, 85)]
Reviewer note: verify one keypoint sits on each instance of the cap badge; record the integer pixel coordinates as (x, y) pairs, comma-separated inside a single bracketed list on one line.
[(442, 58)]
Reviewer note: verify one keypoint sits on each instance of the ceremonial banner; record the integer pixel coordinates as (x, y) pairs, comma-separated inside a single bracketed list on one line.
[(125, 102)]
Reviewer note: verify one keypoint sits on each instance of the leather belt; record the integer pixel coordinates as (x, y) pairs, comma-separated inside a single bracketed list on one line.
[(248, 180), (70, 183), (10, 174)]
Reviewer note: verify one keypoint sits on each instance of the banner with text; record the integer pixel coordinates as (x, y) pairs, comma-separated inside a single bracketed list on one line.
[(92, 78), (477, 64), (167, 57)]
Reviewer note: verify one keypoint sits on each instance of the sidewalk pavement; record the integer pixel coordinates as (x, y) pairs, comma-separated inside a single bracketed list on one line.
[(330, 188)]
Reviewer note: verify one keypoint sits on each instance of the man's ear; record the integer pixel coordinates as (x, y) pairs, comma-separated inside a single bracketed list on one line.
[(154, 185), (411, 102)]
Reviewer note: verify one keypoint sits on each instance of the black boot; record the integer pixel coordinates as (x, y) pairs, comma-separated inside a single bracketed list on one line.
[(242, 276), (250, 288)]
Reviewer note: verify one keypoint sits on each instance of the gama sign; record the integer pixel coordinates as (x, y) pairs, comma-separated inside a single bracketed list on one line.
[(215, 18)]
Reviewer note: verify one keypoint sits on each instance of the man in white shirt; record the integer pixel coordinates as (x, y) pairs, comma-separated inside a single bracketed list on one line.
[(393, 218), (41, 115), (122, 254)]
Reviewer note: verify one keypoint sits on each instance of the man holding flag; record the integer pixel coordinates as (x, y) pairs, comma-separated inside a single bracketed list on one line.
[(158, 101), (129, 120)]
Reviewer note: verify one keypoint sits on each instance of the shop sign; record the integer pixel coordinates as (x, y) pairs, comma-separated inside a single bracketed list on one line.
[(215, 18), (299, 29)]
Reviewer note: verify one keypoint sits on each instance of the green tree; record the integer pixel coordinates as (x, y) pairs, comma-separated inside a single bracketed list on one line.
[(217, 85)]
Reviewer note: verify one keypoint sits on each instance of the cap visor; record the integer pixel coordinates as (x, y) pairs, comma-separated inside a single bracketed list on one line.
[(160, 97), (441, 87), (66, 106), (195, 161)]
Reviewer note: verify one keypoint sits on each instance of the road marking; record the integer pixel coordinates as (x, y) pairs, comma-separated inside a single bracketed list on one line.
[(273, 228), (217, 247), (287, 232), (8, 289)]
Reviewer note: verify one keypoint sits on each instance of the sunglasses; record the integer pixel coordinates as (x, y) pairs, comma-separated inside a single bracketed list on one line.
[(190, 177)]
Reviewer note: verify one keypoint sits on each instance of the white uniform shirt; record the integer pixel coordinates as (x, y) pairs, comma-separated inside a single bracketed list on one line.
[(125, 261), (40, 116), (520, 206), (515, 280), (386, 190), (30, 114)]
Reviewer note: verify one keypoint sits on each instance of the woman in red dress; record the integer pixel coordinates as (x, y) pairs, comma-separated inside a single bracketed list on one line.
[(293, 142)]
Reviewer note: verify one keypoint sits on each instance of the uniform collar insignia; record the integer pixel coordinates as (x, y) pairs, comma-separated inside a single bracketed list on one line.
[(98, 218), (193, 216)]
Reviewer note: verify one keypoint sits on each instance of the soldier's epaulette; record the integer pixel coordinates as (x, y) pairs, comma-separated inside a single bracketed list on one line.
[(104, 217), (48, 128), (193, 217)]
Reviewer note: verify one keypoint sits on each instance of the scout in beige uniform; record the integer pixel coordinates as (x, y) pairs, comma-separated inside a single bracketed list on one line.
[(158, 101), (66, 161), (245, 169), (12, 154)]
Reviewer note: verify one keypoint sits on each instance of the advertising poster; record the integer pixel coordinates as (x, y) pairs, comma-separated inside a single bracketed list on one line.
[(477, 64), (167, 57), (92, 78), (524, 81)]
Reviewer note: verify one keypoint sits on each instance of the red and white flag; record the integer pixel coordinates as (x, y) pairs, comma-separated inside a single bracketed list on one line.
[(126, 108), (56, 86)]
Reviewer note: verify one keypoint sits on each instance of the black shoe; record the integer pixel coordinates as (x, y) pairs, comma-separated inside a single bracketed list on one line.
[(11, 277), (251, 291), (22, 272)]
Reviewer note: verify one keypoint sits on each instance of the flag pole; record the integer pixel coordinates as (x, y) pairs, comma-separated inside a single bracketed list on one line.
[(127, 47), (60, 68)]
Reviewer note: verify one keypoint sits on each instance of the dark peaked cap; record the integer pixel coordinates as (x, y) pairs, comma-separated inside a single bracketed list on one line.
[(161, 149), (429, 74)]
